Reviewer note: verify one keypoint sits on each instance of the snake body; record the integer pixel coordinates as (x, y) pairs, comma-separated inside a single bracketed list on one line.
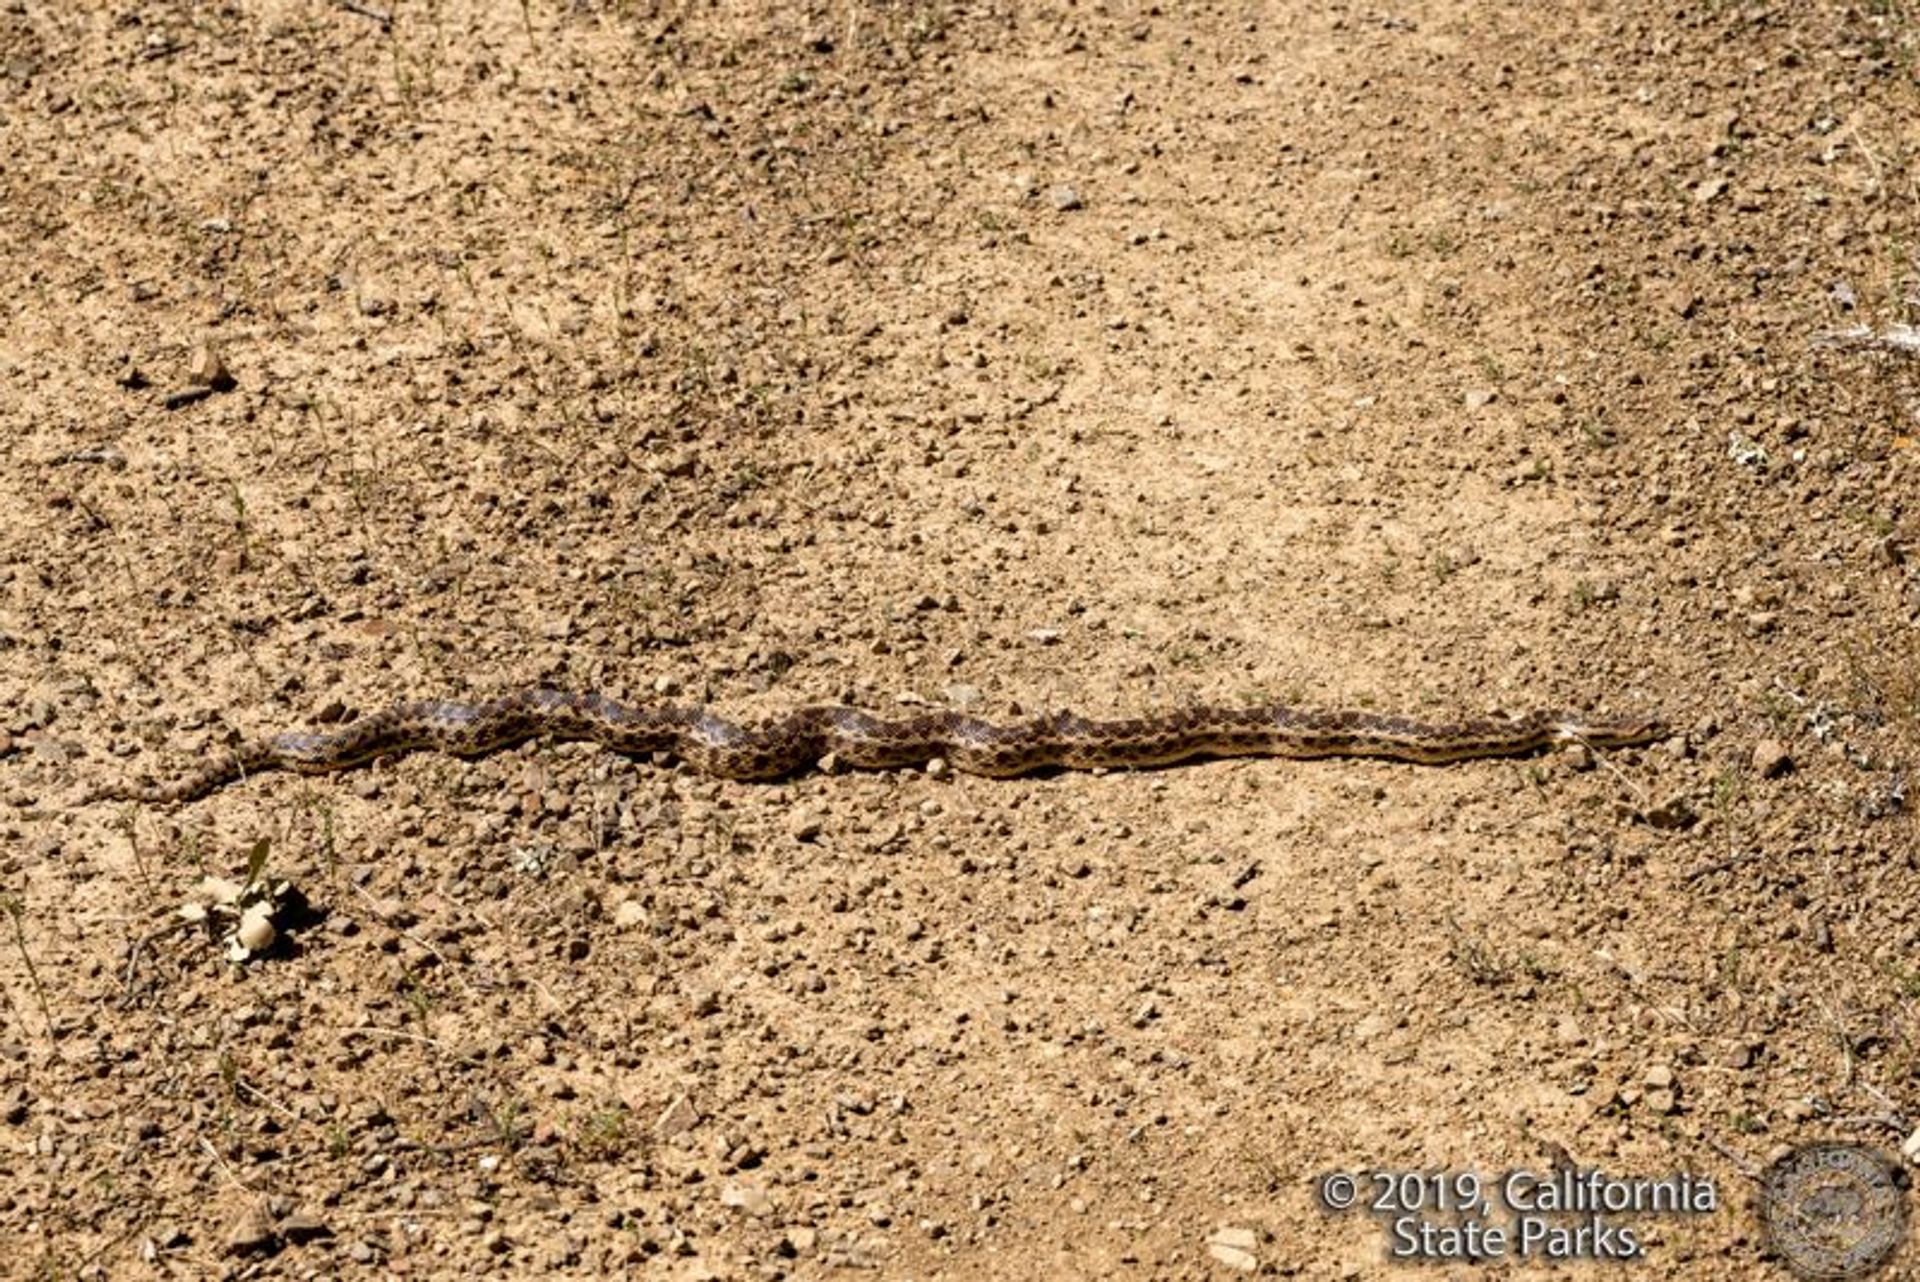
[(789, 744)]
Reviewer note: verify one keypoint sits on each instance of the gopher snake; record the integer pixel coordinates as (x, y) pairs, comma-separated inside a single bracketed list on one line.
[(789, 744)]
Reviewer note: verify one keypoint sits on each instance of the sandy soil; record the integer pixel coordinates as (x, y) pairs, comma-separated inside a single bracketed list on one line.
[(1438, 359)]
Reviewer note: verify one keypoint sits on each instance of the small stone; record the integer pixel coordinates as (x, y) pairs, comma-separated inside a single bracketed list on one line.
[(1658, 1078), (1707, 190), (677, 1118), (206, 368), (219, 890), (1480, 398), (750, 1198), (804, 825), (629, 913), (1063, 198), (255, 932), (802, 1239), (251, 1234), (1910, 1148), (1663, 1102), (1674, 813), (1771, 759), (1234, 1248), (964, 698), (303, 1227)]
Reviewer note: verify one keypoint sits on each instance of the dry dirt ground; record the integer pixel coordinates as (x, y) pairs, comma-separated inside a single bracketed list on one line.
[(1435, 358)]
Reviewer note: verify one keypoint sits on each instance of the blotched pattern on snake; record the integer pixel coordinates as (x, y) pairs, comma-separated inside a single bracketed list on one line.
[(786, 745)]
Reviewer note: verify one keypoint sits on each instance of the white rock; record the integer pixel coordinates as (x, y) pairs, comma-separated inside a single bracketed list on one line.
[(255, 932), (750, 1198), (1234, 1247)]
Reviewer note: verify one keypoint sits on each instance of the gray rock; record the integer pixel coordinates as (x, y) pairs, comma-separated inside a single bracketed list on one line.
[(252, 1234)]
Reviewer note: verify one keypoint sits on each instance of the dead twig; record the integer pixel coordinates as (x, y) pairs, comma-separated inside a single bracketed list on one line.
[(380, 16), (1740, 1163), (139, 946), (1720, 865), (15, 911)]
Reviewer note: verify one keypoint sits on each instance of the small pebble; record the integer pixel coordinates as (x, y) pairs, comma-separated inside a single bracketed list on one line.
[(1064, 198), (1771, 759), (1674, 813), (251, 1234), (677, 1118), (1234, 1248), (255, 932), (750, 1198), (303, 1227), (206, 368)]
